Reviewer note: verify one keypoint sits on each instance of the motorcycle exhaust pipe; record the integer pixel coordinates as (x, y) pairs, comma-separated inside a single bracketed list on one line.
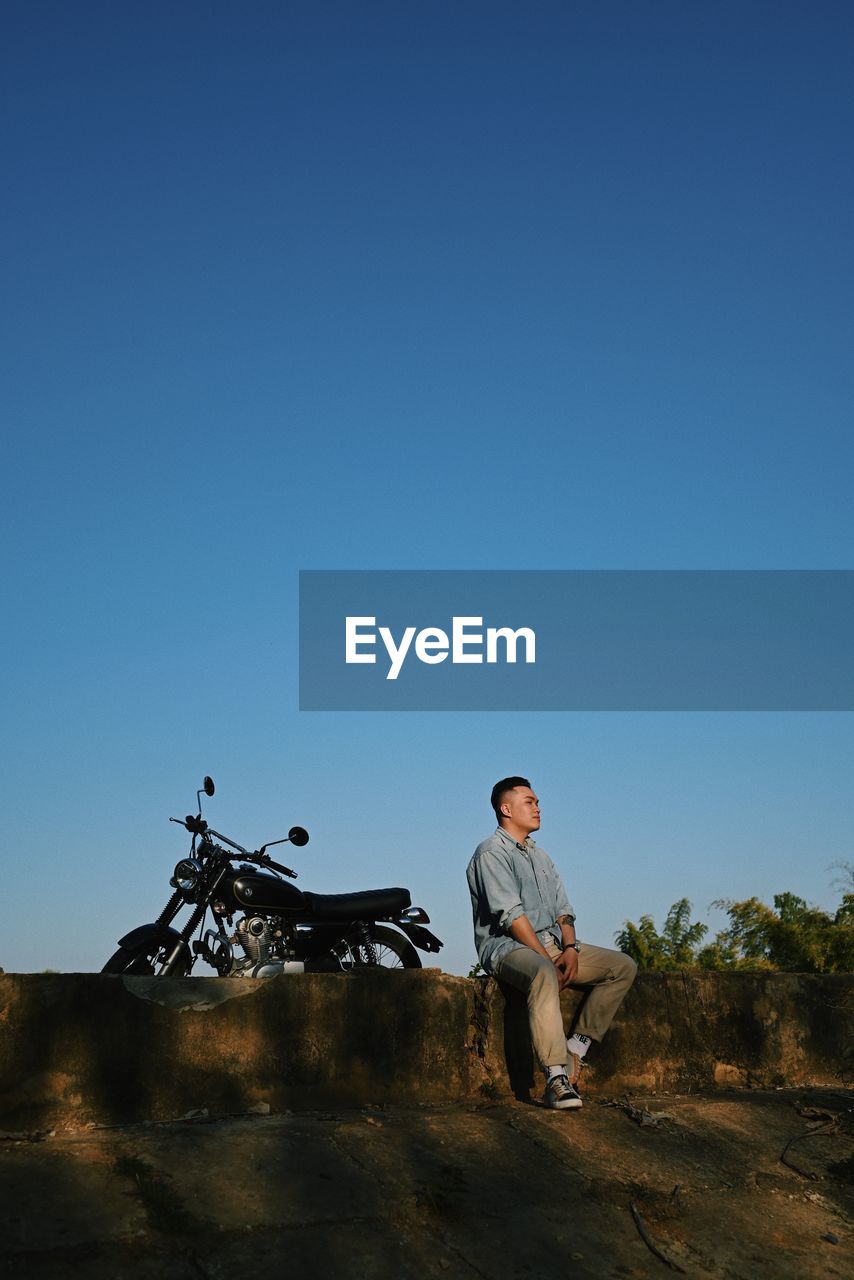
[(272, 968)]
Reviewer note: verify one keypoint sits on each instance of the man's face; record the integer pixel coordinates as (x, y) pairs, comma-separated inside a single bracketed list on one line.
[(522, 808)]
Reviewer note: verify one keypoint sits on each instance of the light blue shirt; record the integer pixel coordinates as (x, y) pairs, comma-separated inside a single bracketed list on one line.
[(507, 880)]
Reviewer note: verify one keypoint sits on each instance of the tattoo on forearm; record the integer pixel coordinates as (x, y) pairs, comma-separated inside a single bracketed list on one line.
[(570, 920)]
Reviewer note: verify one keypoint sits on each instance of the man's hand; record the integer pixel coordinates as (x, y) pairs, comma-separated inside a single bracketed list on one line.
[(567, 967)]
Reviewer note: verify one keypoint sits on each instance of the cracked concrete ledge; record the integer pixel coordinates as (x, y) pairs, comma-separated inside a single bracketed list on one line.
[(93, 1048), (479, 1191), (183, 994)]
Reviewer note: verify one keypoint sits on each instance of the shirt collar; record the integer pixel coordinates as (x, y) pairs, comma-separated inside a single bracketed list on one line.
[(526, 846)]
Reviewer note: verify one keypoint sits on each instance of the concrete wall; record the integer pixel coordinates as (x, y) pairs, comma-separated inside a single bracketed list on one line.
[(78, 1048)]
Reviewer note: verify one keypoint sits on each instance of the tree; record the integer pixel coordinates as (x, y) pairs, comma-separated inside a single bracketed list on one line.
[(790, 936), (673, 948), (793, 937), (681, 938)]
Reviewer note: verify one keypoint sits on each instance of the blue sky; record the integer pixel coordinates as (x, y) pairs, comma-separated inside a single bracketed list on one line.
[(407, 286)]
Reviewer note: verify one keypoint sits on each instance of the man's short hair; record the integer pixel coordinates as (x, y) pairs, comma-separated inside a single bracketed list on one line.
[(500, 790)]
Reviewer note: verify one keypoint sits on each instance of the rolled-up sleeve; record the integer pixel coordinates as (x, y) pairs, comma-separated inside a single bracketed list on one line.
[(563, 906), (497, 890)]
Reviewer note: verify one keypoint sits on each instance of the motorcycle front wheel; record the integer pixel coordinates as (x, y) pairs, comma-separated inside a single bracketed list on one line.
[(144, 960), (393, 951)]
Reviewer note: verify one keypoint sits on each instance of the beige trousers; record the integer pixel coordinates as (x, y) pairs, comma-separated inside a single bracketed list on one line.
[(609, 973)]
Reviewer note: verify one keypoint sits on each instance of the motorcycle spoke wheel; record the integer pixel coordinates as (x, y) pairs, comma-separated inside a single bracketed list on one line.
[(142, 961), (393, 951)]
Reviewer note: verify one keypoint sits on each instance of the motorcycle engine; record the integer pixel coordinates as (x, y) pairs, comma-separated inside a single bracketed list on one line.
[(265, 955), (255, 937)]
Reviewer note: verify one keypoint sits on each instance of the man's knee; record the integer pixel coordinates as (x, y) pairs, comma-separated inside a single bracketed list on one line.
[(523, 968), (625, 968), (545, 980)]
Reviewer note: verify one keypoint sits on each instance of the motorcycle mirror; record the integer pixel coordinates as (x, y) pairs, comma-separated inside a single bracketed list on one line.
[(208, 786), (298, 836)]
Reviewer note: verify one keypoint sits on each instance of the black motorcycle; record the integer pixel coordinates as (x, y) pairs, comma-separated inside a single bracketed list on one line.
[(264, 926)]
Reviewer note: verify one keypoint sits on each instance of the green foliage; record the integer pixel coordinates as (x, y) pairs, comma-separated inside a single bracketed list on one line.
[(673, 948), (792, 936)]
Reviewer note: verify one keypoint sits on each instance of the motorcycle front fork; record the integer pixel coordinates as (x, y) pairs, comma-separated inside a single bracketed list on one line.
[(186, 933)]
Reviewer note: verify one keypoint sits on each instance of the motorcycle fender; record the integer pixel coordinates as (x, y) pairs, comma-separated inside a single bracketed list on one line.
[(421, 937), (150, 932)]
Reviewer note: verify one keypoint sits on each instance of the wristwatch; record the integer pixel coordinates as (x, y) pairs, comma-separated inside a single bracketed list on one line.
[(572, 946)]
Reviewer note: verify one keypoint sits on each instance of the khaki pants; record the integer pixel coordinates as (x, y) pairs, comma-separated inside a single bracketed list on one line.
[(609, 973)]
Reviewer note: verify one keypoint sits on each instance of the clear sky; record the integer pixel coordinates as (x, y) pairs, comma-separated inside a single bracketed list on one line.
[(398, 285)]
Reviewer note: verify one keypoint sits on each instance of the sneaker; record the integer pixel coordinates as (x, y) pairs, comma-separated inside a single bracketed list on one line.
[(561, 1095), (573, 1067)]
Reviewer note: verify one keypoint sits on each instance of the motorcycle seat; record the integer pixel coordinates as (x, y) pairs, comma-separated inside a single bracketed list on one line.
[(370, 904)]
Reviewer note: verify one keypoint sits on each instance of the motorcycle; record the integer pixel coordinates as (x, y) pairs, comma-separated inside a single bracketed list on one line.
[(264, 926)]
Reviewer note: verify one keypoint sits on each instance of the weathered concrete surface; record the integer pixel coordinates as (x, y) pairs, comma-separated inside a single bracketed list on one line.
[(478, 1191), (683, 1031), (77, 1048)]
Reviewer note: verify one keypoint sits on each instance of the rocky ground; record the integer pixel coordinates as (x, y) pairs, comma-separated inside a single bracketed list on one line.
[(741, 1185)]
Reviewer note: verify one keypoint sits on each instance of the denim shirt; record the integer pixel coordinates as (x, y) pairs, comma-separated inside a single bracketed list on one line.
[(507, 880)]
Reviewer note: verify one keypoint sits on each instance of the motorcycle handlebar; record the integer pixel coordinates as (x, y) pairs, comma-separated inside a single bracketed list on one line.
[(264, 861), (197, 826), (232, 843), (200, 827)]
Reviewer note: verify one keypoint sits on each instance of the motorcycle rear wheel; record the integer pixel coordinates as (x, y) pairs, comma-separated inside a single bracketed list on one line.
[(393, 951), (143, 961)]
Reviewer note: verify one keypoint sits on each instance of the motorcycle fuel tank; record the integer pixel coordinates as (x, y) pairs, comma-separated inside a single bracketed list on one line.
[(255, 891)]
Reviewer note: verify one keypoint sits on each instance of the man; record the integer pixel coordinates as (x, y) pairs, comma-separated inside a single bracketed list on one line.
[(524, 928)]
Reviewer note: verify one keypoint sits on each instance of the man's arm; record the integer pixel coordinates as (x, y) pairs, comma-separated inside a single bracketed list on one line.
[(567, 962), (496, 889), (563, 907), (522, 931), (567, 929)]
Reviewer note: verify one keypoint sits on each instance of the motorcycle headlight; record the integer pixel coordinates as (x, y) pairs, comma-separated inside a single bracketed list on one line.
[(186, 876)]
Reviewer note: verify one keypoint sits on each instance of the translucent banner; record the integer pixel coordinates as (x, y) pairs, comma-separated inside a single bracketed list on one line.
[(577, 640)]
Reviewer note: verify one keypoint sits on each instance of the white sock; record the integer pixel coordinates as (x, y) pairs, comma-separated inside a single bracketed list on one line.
[(578, 1044), (551, 1072)]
